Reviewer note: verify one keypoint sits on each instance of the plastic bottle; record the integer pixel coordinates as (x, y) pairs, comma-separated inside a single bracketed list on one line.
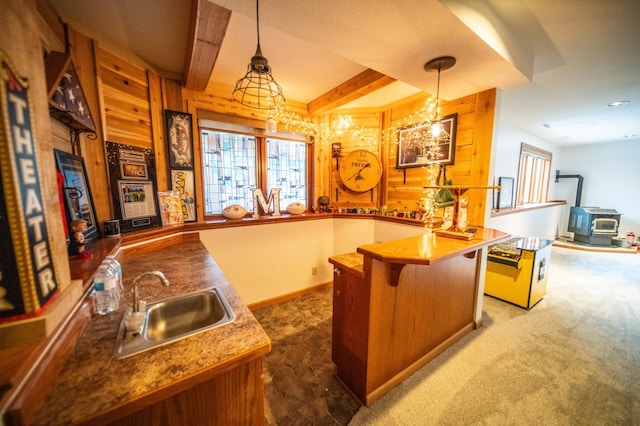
[(114, 272), (105, 286), (118, 268)]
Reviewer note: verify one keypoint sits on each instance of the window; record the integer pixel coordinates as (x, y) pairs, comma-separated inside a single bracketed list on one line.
[(533, 175), (236, 163)]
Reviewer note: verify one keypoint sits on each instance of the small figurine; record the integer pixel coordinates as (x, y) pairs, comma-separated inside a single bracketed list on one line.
[(79, 226)]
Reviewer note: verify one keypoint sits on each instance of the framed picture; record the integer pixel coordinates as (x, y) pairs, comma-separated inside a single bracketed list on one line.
[(133, 181), (414, 152), (77, 194), (130, 170), (136, 199), (505, 194), (180, 139), (182, 181)]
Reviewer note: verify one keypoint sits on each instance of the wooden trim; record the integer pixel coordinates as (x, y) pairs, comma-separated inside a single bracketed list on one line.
[(285, 297), (46, 362), (364, 83), (207, 28), (520, 209)]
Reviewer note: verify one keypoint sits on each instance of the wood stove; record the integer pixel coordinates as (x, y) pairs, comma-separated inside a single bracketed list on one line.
[(593, 225)]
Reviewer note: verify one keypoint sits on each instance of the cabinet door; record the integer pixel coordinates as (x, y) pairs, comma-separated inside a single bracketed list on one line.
[(351, 298), (339, 307)]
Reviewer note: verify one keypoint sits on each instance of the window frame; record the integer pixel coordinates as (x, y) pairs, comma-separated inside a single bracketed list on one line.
[(534, 175), (261, 137)]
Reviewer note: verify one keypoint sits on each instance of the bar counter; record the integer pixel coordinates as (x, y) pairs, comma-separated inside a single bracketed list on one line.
[(398, 304), (166, 383)]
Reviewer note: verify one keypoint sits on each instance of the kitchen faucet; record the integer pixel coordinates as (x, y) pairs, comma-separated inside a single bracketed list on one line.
[(136, 300)]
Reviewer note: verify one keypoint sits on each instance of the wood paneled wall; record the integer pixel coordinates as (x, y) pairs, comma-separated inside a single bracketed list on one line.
[(364, 132), (133, 99), (472, 157)]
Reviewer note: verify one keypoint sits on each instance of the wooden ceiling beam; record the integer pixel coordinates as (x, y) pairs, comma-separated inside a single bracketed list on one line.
[(356, 87), (207, 29)]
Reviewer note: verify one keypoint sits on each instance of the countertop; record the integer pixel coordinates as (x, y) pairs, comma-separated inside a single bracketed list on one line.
[(351, 262), (428, 248), (93, 381)]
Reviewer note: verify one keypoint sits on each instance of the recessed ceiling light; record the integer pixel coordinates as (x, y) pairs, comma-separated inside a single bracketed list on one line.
[(617, 104)]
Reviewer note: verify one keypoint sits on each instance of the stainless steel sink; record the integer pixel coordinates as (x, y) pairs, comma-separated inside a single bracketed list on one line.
[(168, 320)]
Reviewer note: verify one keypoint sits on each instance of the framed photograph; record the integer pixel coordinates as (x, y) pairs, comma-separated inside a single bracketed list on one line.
[(77, 194), (180, 139), (414, 152), (505, 194)]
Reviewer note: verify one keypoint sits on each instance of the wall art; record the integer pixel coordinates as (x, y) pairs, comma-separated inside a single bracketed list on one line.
[(415, 151), (77, 193)]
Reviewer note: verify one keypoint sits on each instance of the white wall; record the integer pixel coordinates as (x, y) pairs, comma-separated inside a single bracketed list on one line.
[(349, 234), (610, 171), (267, 261), (263, 262), (388, 231), (611, 174), (545, 222)]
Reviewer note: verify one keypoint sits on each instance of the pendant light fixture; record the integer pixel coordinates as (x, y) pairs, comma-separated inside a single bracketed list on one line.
[(438, 64), (258, 89)]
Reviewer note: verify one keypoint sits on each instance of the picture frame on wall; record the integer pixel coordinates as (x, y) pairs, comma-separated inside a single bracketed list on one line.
[(411, 147), (179, 139), (505, 193), (133, 184), (77, 193), (137, 199)]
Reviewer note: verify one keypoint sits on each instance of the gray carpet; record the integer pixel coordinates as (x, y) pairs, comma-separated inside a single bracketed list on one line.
[(574, 359)]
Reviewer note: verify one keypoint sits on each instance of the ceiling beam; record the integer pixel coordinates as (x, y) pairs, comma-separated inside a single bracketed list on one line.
[(207, 29), (356, 87)]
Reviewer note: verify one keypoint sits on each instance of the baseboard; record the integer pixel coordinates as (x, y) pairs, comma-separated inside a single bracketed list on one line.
[(288, 296)]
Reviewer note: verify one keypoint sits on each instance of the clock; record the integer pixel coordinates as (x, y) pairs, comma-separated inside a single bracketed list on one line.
[(360, 170)]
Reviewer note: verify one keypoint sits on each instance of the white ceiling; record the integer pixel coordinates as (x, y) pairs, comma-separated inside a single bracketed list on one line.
[(558, 63)]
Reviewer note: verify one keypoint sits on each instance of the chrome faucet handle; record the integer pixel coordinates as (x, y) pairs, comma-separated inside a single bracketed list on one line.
[(136, 299)]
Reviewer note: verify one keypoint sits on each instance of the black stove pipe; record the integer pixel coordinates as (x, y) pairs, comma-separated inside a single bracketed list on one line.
[(579, 191)]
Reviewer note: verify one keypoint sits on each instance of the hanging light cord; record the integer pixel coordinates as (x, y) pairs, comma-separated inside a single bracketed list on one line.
[(258, 21), (435, 114)]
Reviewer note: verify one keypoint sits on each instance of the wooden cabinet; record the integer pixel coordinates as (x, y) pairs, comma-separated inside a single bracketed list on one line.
[(234, 397), (349, 340), (400, 304)]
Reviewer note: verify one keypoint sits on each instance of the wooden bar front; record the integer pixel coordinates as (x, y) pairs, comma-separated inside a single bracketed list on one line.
[(398, 304)]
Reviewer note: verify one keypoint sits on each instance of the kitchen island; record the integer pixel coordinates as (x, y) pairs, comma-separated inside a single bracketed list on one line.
[(214, 377), (398, 304)]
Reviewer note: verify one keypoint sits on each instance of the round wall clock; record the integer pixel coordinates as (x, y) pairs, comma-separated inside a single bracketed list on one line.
[(360, 170)]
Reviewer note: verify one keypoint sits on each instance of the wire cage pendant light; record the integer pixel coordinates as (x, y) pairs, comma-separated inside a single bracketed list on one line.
[(258, 89), (436, 132)]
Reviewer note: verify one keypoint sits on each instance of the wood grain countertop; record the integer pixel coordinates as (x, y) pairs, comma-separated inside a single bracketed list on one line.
[(93, 382), (428, 248)]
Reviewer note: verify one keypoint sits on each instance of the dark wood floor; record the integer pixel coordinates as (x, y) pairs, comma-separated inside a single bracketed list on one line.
[(300, 387)]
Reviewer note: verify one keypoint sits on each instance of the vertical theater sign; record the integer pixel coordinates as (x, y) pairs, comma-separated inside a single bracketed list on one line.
[(27, 274)]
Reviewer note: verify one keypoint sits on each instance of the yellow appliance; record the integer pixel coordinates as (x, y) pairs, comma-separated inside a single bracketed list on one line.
[(517, 270)]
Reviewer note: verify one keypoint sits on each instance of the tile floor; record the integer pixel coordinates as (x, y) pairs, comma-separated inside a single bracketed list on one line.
[(300, 387)]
